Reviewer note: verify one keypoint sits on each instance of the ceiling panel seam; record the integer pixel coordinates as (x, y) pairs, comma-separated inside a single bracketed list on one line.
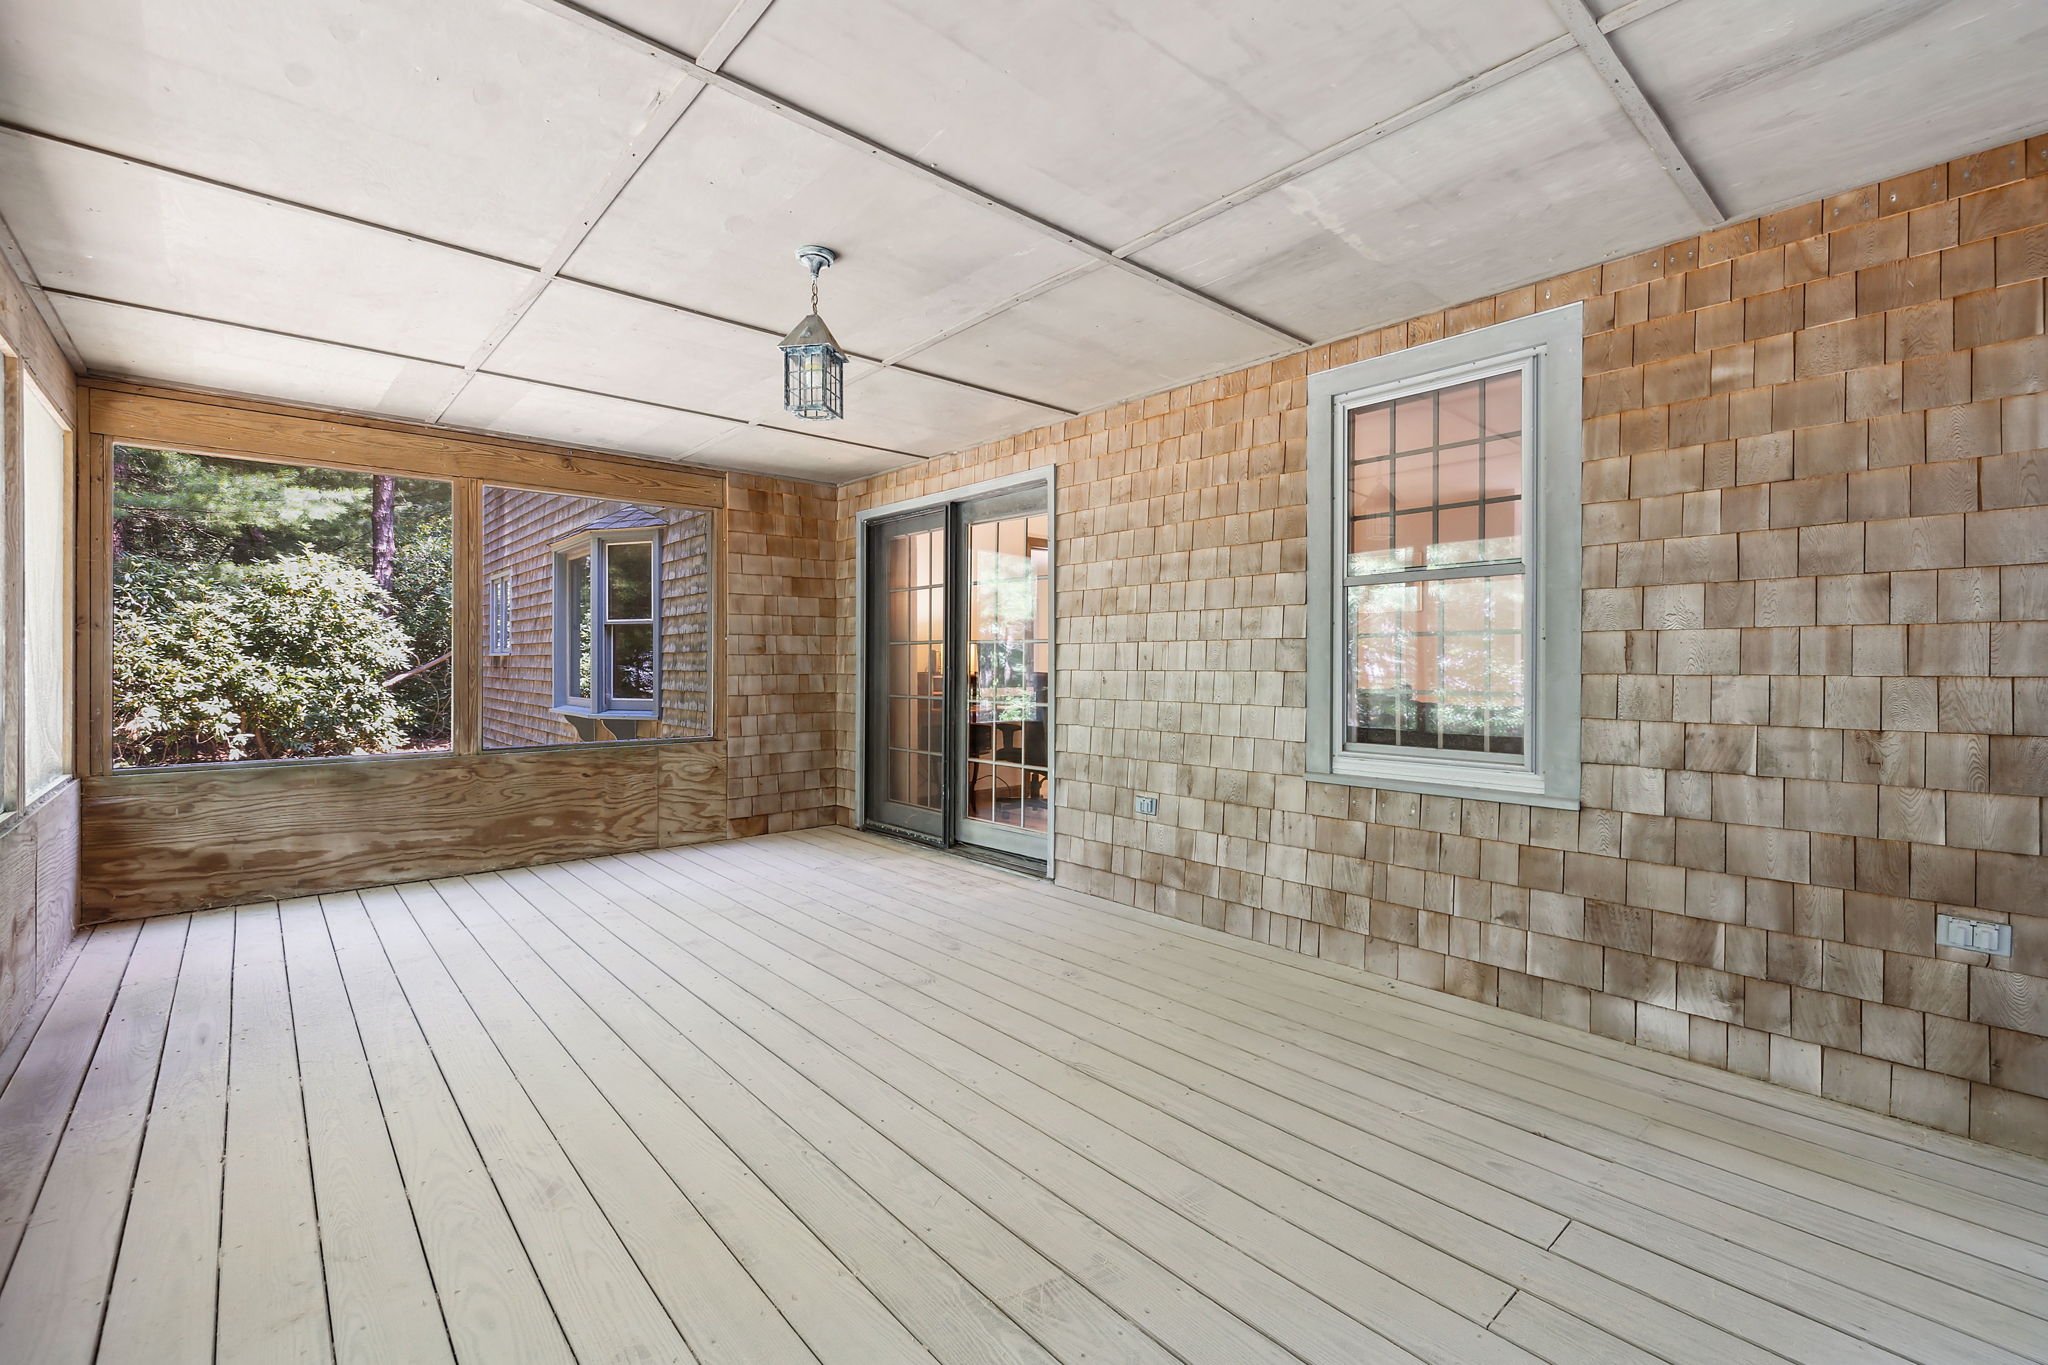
[(1393, 123), (824, 127), (1634, 103), (736, 422), (730, 32)]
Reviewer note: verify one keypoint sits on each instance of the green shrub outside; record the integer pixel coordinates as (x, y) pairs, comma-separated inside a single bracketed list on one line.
[(281, 659)]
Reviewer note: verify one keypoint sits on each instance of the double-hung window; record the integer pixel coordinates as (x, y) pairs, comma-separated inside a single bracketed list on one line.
[(607, 624), (1444, 565)]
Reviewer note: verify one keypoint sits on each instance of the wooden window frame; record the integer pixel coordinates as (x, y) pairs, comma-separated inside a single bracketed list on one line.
[(118, 412), (1547, 348)]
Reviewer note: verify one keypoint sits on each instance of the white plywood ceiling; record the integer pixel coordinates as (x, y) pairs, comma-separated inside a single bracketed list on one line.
[(576, 223)]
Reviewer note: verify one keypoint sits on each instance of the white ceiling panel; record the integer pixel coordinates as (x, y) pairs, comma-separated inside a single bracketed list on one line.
[(914, 412), (1776, 102), (96, 225), (1415, 220), (592, 339), (1095, 339), (515, 407), (161, 346), (714, 218), (1113, 117), (483, 122), (789, 454), (685, 25)]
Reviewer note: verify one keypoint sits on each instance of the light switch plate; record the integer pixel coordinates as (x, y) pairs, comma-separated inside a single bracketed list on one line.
[(1973, 935), (1145, 805)]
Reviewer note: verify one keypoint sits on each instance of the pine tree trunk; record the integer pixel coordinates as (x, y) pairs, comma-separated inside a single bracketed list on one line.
[(384, 531)]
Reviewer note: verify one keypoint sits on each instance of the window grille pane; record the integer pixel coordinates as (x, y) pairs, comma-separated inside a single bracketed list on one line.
[(632, 662), (579, 625), (1436, 478), (1438, 664), (629, 581)]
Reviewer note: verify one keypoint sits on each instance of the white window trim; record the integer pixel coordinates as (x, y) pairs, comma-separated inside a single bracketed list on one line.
[(498, 616), (601, 704), (1549, 346)]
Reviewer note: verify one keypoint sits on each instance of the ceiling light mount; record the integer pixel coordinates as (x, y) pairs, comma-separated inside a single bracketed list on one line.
[(813, 366)]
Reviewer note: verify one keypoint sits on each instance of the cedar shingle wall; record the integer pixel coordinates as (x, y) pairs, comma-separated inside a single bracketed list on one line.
[(787, 607), (1815, 641)]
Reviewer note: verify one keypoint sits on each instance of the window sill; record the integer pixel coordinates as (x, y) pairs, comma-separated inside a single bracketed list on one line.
[(1470, 780), (587, 714)]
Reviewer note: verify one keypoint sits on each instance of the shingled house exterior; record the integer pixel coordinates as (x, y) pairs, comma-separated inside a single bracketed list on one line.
[(550, 675)]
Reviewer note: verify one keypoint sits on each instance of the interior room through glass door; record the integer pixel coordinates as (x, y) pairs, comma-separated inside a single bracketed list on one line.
[(1004, 771), (905, 774)]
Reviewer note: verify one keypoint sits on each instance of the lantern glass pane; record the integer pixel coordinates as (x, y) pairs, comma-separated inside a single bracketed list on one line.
[(811, 381)]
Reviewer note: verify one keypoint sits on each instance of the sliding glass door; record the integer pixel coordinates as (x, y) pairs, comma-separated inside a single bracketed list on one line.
[(958, 680)]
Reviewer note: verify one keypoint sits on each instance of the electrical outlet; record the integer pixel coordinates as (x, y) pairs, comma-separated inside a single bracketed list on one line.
[(1974, 935), (1145, 805)]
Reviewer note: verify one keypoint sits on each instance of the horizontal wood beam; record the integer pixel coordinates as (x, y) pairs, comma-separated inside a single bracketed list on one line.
[(267, 432)]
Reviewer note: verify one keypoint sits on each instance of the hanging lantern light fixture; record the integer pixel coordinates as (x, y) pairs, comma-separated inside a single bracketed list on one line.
[(812, 364)]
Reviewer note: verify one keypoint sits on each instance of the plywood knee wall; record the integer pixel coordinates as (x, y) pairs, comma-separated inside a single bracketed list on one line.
[(1816, 441)]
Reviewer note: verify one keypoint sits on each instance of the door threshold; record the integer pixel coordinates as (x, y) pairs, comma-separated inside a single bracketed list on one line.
[(1009, 862)]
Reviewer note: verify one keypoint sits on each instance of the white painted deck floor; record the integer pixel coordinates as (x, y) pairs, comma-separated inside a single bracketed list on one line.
[(824, 1097)]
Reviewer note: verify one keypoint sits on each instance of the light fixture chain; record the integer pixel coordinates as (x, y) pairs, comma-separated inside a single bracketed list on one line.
[(814, 292)]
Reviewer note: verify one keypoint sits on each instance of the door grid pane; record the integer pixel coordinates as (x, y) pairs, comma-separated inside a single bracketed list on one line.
[(1010, 661), (916, 671)]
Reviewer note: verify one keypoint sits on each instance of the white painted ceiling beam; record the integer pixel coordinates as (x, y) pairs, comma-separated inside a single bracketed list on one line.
[(1587, 32)]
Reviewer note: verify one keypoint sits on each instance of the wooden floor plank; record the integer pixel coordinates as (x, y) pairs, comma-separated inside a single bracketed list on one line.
[(379, 1290), (783, 1221), (1840, 1129), (2015, 1328), (161, 1308), (1306, 1323), (1526, 1265), (601, 1295), (1791, 1192), (54, 1300), (493, 1301), (722, 1313), (1450, 1280), (25, 1031), (935, 1301), (829, 1099), (273, 1299), (53, 1064)]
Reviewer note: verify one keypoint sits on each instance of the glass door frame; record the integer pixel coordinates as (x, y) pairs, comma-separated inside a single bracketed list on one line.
[(955, 711)]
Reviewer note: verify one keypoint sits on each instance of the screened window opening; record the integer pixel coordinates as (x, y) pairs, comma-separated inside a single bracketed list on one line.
[(606, 630), (276, 611), (1443, 593)]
